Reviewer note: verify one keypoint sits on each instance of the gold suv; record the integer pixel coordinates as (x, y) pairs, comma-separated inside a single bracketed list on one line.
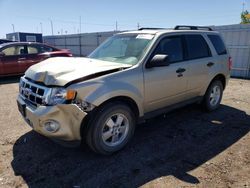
[(132, 76)]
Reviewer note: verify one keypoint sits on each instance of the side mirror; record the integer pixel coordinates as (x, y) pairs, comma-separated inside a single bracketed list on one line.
[(159, 60), (2, 54)]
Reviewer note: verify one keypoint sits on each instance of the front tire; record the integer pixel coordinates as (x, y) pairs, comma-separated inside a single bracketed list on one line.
[(110, 128), (213, 96)]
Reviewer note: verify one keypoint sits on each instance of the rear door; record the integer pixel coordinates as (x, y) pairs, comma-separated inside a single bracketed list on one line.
[(37, 53), (14, 59), (200, 61), (33, 55)]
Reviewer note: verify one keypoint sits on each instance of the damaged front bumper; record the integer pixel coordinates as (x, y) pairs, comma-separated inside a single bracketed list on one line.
[(61, 122)]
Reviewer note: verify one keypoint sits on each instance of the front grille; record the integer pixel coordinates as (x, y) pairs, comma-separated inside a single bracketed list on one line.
[(32, 93)]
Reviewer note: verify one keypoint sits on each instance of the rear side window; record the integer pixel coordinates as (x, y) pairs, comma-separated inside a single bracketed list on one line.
[(46, 49), (197, 47), (218, 44), (32, 50), (171, 46), (41, 49)]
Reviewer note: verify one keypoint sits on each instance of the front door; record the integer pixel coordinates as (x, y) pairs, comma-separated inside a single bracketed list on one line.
[(13, 59), (166, 85)]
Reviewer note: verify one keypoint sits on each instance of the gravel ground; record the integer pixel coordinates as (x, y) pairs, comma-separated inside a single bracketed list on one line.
[(185, 148)]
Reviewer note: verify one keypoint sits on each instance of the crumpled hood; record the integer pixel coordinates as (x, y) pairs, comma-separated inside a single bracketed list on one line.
[(59, 71)]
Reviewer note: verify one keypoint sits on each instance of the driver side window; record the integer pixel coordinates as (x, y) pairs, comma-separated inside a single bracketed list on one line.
[(14, 50), (9, 51), (171, 46)]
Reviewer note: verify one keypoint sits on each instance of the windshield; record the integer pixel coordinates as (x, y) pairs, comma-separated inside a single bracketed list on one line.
[(125, 49)]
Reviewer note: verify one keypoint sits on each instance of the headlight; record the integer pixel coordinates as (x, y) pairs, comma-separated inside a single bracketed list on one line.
[(60, 95)]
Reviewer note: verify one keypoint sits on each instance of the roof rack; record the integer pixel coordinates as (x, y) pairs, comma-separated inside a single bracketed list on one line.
[(182, 27), (149, 28)]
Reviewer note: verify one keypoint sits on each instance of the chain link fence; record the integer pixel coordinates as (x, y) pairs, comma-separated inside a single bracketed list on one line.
[(79, 44)]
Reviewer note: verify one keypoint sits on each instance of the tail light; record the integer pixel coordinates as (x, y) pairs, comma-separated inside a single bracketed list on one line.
[(230, 63)]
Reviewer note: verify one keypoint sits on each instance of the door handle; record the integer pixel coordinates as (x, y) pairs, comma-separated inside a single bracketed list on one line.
[(21, 60), (180, 70), (210, 64)]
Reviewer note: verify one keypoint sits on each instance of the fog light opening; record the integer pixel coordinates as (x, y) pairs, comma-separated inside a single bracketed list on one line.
[(51, 126), (29, 122)]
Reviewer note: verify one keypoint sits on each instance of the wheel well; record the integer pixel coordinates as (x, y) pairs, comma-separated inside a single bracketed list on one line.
[(220, 77), (126, 100)]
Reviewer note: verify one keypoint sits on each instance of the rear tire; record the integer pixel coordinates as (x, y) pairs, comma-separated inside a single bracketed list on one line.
[(110, 128), (213, 96)]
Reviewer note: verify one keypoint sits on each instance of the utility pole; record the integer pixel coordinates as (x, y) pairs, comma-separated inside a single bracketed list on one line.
[(65, 40), (243, 7), (80, 26), (51, 24), (116, 26), (13, 27), (80, 40), (41, 25), (138, 26)]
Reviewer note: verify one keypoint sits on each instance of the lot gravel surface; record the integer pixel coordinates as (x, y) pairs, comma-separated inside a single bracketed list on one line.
[(184, 148)]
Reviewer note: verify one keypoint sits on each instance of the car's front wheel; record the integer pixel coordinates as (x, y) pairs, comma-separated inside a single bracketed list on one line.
[(213, 96), (110, 128)]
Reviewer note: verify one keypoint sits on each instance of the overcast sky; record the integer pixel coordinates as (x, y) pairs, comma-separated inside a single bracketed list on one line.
[(36, 16)]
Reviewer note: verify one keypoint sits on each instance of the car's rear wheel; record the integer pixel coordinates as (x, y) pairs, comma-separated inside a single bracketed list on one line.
[(213, 96), (110, 128)]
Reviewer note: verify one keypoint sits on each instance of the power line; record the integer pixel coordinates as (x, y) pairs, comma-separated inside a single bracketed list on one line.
[(129, 24)]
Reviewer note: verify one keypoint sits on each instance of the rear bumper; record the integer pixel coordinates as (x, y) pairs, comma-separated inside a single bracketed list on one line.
[(68, 116)]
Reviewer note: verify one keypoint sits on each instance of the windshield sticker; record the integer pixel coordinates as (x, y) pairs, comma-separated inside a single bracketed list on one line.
[(145, 36)]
